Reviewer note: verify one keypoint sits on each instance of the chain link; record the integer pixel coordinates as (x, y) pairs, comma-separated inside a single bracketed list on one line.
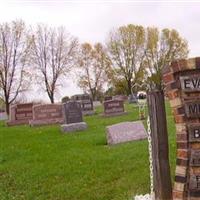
[(150, 158), (141, 105)]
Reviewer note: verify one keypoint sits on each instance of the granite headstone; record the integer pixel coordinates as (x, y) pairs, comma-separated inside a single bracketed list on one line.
[(107, 98), (20, 114), (113, 108), (125, 131), (86, 103), (73, 117), (46, 114), (72, 112)]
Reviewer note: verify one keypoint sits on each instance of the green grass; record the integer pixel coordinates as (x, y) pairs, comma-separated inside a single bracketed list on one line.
[(43, 164)]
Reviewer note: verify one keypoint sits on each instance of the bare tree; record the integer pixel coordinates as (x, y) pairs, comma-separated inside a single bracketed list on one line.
[(53, 55), (93, 67), (14, 59)]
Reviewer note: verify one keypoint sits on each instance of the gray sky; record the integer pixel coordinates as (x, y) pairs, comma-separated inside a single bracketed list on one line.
[(92, 20)]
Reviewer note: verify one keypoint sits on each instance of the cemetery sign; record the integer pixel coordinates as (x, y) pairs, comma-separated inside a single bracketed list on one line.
[(182, 83)]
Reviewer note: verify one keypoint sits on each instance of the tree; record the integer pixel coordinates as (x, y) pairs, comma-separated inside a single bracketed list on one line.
[(53, 54), (14, 60), (126, 47), (162, 48), (93, 65)]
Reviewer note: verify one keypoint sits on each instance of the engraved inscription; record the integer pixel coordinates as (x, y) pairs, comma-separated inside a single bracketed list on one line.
[(194, 183), (87, 105), (190, 83), (195, 158), (192, 109), (194, 133), (113, 106), (72, 112)]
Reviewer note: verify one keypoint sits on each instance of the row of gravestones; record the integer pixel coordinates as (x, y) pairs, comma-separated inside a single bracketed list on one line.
[(52, 113), (69, 115), (41, 114)]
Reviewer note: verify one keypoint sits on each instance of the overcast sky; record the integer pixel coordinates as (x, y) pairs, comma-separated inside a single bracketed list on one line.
[(92, 20)]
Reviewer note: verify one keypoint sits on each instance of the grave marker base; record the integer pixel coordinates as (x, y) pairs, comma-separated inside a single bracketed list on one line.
[(113, 114), (66, 128), (45, 122), (89, 112), (17, 122)]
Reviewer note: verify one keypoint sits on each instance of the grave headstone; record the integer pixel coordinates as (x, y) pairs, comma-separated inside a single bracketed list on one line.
[(86, 103), (132, 98), (20, 114), (125, 132), (107, 98), (182, 83), (46, 114), (113, 108), (87, 107), (120, 97), (73, 117)]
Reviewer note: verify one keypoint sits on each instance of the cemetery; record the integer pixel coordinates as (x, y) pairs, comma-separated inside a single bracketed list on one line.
[(82, 150), (43, 151), (95, 116), (116, 133)]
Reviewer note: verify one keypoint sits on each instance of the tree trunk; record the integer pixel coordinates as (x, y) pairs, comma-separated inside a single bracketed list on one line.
[(7, 107), (129, 86), (51, 97), (93, 94)]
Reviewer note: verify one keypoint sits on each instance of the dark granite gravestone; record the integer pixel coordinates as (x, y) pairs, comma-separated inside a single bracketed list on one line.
[(87, 107), (73, 117), (125, 131), (113, 108), (86, 103), (72, 112)]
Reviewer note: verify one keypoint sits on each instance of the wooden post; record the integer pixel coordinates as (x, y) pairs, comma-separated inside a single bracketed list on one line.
[(161, 167)]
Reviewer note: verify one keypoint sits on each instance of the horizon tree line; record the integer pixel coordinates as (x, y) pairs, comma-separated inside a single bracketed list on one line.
[(47, 55)]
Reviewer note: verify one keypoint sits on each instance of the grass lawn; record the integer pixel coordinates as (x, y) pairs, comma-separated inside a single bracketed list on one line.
[(40, 163)]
